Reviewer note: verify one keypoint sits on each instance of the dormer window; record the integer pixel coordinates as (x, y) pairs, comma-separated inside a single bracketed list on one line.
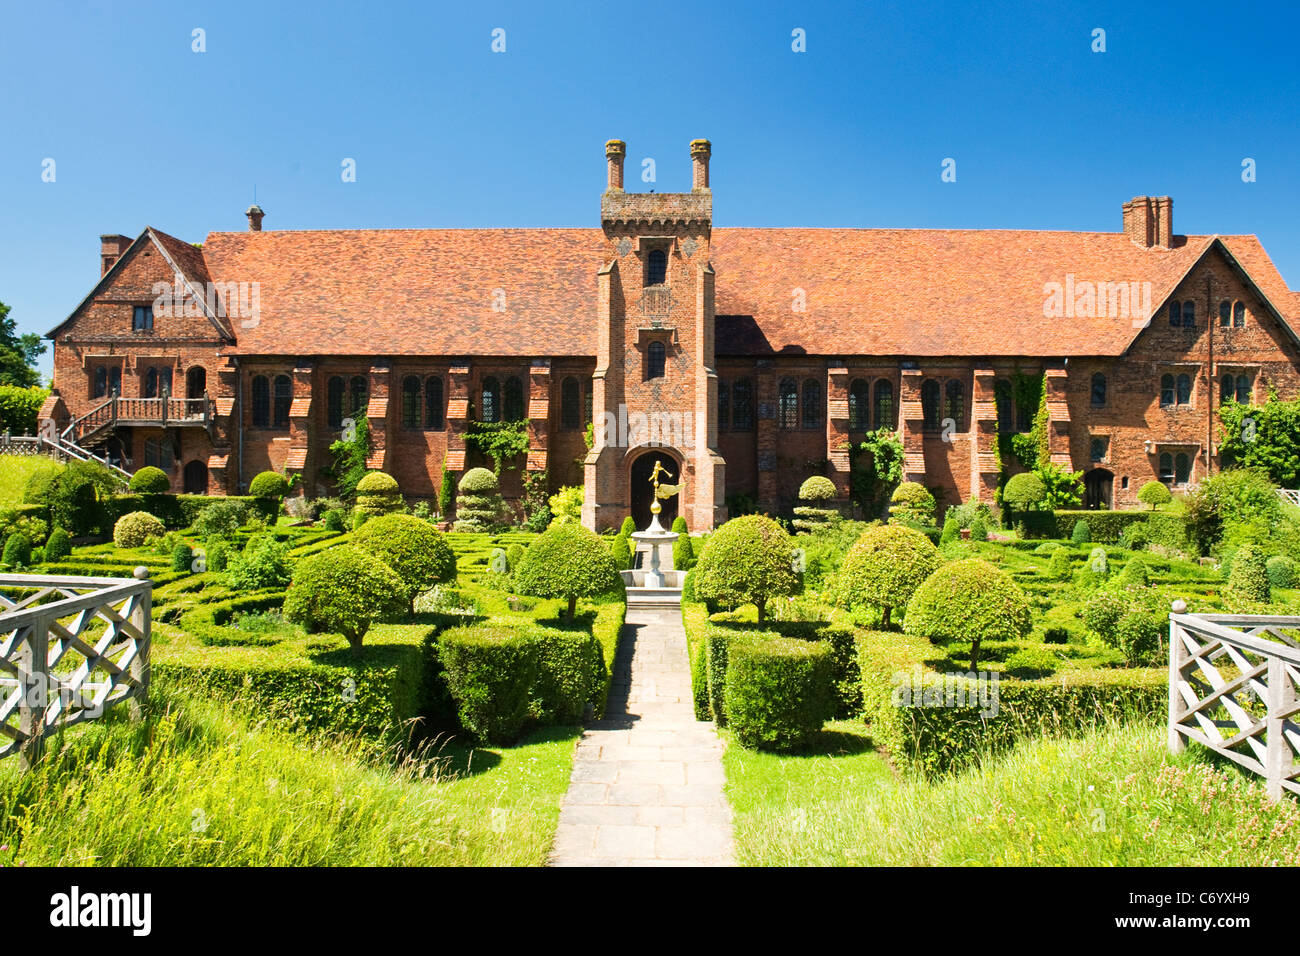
[(142, 318), (656, 270)]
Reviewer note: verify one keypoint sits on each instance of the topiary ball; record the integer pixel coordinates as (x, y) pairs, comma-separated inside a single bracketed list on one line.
[(1155, 494), (1281, 569), (59, 546), (269, 484), (1248, 580), (912, 500), (150, 481), (969, 600), (377, 494), (1024, 491), (748, 559), (134, 529), (817, 488), (568, 561), (413, 548), (477, 481), (1081, 533)]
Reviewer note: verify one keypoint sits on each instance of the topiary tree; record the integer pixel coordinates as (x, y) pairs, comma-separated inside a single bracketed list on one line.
[(621, 552), (268, 484), (912, 501), (413, 548), (1081, 533), (334, 520), (812, 515), (951, 531), (150, 481), (182, 557), (683, 552), (884, 568), (567, 561), (1248, 579), (378, 494), (1060, 566), (132, 530), (1024, 492), (747, 559), (1135, 574), (979, 531), (343, 590), (629, 527), (969, 600), (446, 494), (264, 563), (60, 545), (1155, 494), (478, 505)]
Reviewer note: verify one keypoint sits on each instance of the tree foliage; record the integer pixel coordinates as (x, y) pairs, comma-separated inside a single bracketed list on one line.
[(884, 568), (747, 559), (18, 353), (1266, 437)]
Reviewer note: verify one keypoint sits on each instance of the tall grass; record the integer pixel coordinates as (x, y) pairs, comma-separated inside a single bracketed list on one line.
[(14, 472), (1114, 798), (195, 785)]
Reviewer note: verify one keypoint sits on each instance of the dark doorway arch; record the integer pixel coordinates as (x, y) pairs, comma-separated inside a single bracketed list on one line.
[(641, 492), (196, 478), (196, 381), (1097, 488)]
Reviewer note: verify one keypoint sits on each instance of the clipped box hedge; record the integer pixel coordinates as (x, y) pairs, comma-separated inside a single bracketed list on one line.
[(179, 511), (1106, 526), (778, 690), (490, 671), (939, 739)]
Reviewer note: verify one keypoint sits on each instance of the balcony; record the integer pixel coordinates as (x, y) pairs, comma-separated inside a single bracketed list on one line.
[(164, 412)]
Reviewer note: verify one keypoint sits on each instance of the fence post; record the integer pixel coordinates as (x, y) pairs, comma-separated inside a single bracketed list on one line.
[(141, 615), (34, 661), (1277, 763), (1177, 655)]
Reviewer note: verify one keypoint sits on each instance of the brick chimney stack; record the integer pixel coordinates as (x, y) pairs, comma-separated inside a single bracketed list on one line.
[(700, 152), (615, 150), (1149, 221), (111, 248), (254, 214)]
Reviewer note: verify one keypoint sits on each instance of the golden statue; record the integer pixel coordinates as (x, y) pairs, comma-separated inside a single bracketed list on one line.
[(661, 491)]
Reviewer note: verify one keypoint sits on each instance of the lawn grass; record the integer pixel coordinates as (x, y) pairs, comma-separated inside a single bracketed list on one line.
[(196, 785), (14, 472), (1113, 798)]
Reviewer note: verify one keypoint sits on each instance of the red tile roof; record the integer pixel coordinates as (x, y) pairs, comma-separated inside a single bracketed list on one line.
[(866, 291)]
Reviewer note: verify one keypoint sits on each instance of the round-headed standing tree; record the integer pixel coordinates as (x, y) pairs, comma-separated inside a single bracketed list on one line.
[(884, 568), (969, 600), (1024, 491), (567, 561), (411, 547), (747, 559), (343, 590), (150, 481), (1155, 494), (912, 501)]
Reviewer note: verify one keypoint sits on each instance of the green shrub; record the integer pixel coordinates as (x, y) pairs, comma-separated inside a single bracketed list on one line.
[(1024, 492), (566, 504), (17, 551), (1081, 533), (1136, 536), (378, 494), (19, 407), (1248, 580), (912, 500), (979, 531), (264, 563), (1232, 496), (268, 484), (1135, 574), (628, 527), (150, 481), (514, 556), (951, 531), (1061, 567), (621, 552), (1139, 634), (221, 519), (1155, 494), (747, 559), (817, 488), (567, 561), (570, 673), (333, 520), (966, 513), (969, 600), (59, 546), (1281, 569), (1101, 614), (182, 557), (74, 495), (778, 691), (884, 568), (683, 553), (218, 555), (134, 529), (490, 673), (343, 591), (414, 549), (446, 493), (1031, 662)]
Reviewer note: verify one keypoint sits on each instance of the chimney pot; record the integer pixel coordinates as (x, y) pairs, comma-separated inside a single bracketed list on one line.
[(254, 214), (615, 150), (111, 248), (701, 150)]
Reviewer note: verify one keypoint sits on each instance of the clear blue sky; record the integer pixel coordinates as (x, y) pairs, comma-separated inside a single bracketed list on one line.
[(445, 133)]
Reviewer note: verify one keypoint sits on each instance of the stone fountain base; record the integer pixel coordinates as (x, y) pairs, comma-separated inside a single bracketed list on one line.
[(654, 584)]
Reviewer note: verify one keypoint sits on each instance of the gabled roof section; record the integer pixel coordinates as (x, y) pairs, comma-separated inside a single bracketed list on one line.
[(184, 259)]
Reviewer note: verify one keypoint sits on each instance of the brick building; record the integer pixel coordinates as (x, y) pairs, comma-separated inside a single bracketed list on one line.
[(746, 359)]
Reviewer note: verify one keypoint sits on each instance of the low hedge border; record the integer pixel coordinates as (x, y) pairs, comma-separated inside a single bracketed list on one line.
[(209, 623), (778, 691), (939, 739), (1106, 526), (179, 511)]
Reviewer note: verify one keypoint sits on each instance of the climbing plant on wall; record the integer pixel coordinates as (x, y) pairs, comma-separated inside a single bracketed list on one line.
[(875, 469), (503, 442)]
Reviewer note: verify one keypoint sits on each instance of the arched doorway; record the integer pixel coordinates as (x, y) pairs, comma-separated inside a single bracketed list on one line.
[(641, 492), (196, 478), (1097, 488), (196, 381)]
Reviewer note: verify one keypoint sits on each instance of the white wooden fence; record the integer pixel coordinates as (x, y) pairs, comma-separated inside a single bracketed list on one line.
[(56, 667), (1249, 714)]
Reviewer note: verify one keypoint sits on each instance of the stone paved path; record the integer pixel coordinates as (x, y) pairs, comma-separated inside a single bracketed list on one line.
[(647, 780)]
